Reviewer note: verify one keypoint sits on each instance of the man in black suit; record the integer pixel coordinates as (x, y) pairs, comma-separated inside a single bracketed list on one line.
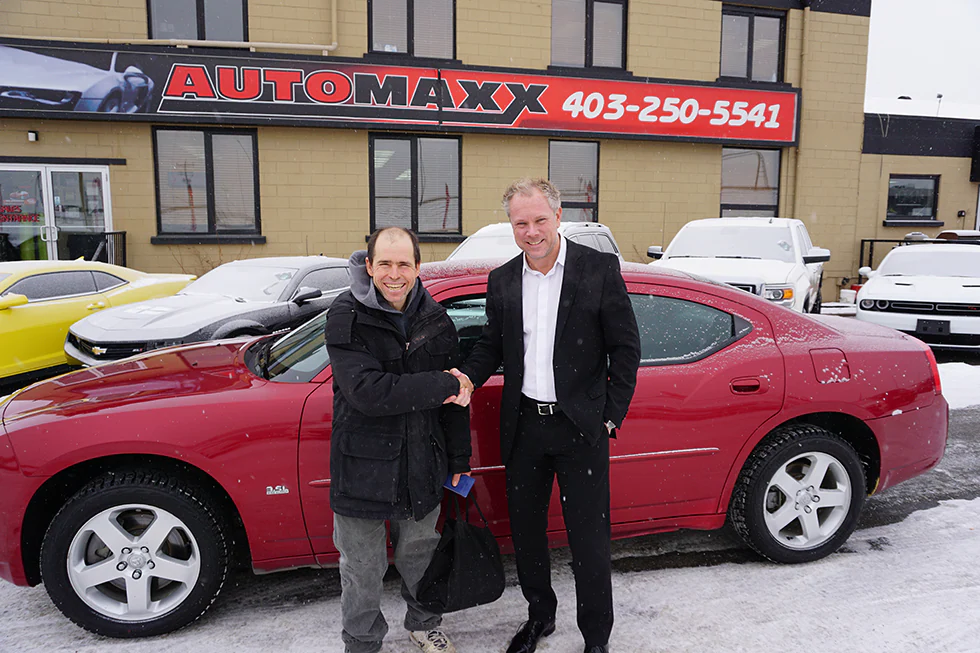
[(561, 322)]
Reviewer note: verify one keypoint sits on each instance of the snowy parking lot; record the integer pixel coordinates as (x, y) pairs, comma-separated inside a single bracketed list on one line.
[(906, 581)]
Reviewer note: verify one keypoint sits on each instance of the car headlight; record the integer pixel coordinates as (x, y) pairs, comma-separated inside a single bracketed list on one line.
[(867, 304), (162, 343), (881, 304), (778, 293)]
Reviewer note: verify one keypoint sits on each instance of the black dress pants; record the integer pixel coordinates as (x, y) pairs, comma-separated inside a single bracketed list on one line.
[(546, 446)]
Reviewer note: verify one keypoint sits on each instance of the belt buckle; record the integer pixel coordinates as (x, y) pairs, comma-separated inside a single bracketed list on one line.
[(546, 409)]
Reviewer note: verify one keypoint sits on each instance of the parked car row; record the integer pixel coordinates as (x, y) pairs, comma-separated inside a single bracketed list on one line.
[(132, 487), (57, 314)]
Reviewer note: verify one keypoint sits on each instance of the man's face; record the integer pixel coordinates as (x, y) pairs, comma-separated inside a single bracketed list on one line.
[(393, 269), (535, 225)]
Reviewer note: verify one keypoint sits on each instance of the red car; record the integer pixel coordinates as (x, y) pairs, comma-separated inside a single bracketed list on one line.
[(130, 488)]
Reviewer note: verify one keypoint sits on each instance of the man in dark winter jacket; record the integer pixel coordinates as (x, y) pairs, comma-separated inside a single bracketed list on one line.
[(397, 434)]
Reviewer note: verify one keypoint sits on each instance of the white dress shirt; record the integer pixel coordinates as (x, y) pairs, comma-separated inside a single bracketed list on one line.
[(540, 293)]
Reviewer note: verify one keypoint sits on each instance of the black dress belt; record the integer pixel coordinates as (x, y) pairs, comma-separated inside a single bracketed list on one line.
[(540, 407)]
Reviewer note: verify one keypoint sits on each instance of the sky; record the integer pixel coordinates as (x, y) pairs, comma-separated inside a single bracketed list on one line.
[(921, 48)]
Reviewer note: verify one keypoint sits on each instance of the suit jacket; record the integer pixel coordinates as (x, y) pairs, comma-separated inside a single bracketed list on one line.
[(597, 345)]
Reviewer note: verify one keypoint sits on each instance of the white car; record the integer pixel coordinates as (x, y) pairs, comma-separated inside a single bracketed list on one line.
[(930, 291), (769, 257), (497, 240)]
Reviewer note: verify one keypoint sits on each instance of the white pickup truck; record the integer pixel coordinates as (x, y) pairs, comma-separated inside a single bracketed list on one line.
[(769, 257)]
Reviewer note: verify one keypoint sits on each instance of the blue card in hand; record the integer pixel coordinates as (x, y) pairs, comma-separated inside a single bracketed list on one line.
[(464, 486)]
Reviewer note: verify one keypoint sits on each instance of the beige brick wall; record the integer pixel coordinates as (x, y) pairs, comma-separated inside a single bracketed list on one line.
[(648, 191), (101, 19), (512, 33), (306, 21), (956, 193), (674, 39), (822, 186)]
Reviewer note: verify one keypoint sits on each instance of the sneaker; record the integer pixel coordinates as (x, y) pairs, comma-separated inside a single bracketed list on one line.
[(431, 641)]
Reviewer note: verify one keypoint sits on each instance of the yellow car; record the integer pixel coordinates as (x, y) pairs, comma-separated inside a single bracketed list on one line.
[(39, 300)]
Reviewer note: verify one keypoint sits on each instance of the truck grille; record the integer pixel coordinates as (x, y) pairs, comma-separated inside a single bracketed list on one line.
[(972, 310), (746, 287)]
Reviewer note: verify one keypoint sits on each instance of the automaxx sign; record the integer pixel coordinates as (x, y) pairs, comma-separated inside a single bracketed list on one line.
[(168, 86)]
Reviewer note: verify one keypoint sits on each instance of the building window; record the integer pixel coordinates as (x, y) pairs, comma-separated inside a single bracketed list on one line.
[(207, 182), (752, 44), (588, 33), (415, 183), (213, 20), (913, 197), (749, 182), (419, 28), (573, 167)]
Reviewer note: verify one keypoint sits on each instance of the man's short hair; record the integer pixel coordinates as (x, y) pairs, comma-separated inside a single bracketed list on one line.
[(526, 186), (373, 240)]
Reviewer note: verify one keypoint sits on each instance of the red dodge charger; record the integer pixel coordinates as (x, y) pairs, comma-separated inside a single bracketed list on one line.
[(129, 489)]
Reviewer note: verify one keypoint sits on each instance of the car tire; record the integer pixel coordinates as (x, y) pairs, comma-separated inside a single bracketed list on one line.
[(135, 553), (111, 104), (799, 494)]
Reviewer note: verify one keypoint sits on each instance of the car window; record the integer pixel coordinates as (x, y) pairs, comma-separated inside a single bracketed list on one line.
[(585, 239), (469, 314), (606, 245), (54, 284), (106, 281), (805, 243), (769, 242), (326, 279), (676, 331), (294, 358)]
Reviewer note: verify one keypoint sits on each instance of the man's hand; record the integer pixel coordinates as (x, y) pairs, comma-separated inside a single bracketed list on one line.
[(456, 478), (462, 398)]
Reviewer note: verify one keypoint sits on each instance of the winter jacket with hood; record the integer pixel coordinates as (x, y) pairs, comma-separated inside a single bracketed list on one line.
[(393, 441)]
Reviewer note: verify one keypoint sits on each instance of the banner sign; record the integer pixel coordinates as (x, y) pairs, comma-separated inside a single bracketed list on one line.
[(167, 86)]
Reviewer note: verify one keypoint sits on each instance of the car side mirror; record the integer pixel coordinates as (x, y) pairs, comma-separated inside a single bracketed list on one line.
[(866, 272), (11, 300), (655, 251), (817, 255), (305, 294)]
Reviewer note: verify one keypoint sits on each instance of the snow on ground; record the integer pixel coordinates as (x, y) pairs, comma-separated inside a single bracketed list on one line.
[(961, 387), (907, 587)]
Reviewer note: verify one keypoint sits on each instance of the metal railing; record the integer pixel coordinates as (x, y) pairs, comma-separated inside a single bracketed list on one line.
[(108, 247)]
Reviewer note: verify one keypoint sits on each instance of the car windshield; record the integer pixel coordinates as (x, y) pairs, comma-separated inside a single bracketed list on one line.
[(243, 282), (907, 261), (502, 246), (294, 358), (770, 242)]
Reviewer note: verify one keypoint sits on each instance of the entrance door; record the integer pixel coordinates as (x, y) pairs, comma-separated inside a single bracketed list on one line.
[(23, 220), (54, 212)]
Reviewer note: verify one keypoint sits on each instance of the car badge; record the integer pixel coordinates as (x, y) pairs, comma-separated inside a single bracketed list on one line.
[(278, 489), (98, 351)]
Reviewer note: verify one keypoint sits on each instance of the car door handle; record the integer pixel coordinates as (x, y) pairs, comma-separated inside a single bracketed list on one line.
[(97, 306), (748, 385)]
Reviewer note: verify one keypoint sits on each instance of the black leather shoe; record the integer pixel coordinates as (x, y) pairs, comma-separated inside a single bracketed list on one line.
[(596, 648), (526, 639)]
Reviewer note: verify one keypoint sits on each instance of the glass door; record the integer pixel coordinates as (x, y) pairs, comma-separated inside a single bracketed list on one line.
[(54, 212), (24, 232), (79, 217)]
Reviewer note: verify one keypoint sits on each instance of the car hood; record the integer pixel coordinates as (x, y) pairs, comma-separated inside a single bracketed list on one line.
[(162, 375), (959, 290), (166, 318), (733, 270)]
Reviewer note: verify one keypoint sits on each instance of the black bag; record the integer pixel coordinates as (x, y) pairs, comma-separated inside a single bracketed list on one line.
[(465, 569)]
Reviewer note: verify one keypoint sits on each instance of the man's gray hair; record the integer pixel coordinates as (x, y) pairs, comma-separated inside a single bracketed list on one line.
[(526, 186)]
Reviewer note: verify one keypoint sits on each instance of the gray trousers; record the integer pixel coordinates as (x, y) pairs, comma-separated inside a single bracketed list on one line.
[(362, 544)]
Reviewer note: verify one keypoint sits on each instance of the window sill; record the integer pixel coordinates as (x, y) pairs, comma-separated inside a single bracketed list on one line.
[(435, 238), (208, 239), (745, 82), (591, 72), (389, 58), (911, 223)]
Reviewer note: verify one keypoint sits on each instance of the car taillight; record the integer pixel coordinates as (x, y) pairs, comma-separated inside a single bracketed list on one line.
[(936, 381)]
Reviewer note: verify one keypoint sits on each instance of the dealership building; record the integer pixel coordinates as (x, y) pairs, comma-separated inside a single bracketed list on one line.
[(196, 132)]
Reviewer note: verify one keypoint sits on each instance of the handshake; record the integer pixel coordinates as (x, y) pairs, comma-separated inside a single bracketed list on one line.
[(461, 398)]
